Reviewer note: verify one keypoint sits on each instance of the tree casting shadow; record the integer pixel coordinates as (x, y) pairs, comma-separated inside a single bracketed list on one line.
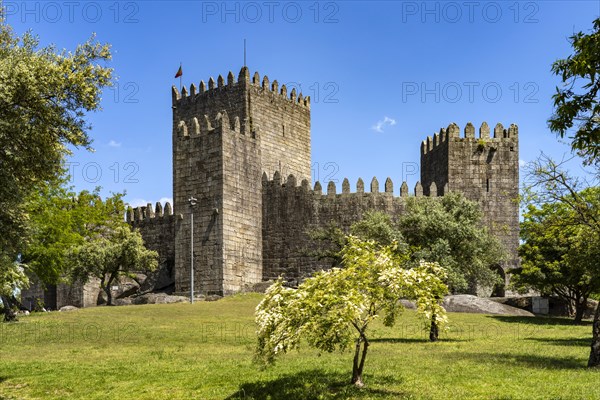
[(318, 384), (564, 342), (538, 320), (414, 340), (528, 360)]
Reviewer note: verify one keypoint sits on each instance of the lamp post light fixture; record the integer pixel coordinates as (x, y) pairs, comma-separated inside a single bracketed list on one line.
[(193, 201)]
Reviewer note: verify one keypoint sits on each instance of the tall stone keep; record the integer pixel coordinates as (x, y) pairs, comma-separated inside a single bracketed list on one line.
[(484, 169), (225, 134)]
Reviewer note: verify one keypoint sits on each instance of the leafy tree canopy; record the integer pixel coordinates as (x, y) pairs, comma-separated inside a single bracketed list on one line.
[(449, 230), (577, 102), (559, 256), (45, 96), (333, 309)]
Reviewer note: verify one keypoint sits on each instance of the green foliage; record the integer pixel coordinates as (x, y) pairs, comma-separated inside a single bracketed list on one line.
[(448, 230), (76, 236), (577, 104), (326, 244), (110, 253), (45, 96), (558, 194), (481, 144), (559, 256), (12, 276), (61, 220), (378, 226), (334, 308), (375, 225)]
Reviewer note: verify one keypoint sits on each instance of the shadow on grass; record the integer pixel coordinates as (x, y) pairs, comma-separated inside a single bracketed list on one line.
[(318, 384), (527, 360), (538, 320), (413, 340), (564, 342)]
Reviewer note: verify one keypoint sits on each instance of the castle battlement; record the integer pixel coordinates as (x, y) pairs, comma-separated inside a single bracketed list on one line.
[(142, 214), (452, 133), (205, 125), (215, 88), (317, 191)]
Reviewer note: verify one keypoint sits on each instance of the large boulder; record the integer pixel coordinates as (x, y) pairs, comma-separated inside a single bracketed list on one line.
[(158, 298), (68, 308), (472, 304), (557, 307), (260, 287)]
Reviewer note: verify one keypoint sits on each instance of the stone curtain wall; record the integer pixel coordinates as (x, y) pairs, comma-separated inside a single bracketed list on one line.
[(291, 210), (157, 227)]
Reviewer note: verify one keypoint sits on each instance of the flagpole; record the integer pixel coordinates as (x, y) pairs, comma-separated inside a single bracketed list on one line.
[(180, 78), (244, 52)]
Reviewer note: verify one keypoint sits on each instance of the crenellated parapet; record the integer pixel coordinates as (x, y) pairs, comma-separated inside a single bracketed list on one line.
[(291, 210), (452, 134), (331, 192), (147, 214), (218, 124), (216, 88)]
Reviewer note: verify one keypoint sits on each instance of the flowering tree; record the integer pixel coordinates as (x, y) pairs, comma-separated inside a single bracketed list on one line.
[(333, 309), (12, 277)]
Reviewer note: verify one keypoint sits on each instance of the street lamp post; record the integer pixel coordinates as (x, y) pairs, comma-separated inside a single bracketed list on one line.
[(193, 202)]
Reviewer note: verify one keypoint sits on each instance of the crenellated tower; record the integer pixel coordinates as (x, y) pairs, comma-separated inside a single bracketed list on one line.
[(485, 169), (225, 135)]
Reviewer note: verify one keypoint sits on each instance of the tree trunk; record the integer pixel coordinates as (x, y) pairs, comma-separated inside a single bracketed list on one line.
[(580, 308), (434, 331), (359, 361), (9, 314), (108, 295), (594, 360)]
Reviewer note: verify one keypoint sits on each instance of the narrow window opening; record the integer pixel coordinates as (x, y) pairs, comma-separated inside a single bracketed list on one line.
[(487, 185), (512, 148), (283, 130)]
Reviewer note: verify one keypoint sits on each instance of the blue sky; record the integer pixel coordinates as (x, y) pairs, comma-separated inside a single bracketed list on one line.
[(382, 75)]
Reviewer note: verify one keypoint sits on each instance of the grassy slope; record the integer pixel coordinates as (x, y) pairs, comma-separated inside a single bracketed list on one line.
[(204, 351)]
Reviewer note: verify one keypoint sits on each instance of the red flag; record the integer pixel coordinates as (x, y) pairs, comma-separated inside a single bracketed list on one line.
[(179, 72)]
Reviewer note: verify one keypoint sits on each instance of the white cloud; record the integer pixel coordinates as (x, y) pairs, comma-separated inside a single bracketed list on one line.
[(142, 202), (386, 121), (114, 143), (137, 203), (522, 163), (163, 200)]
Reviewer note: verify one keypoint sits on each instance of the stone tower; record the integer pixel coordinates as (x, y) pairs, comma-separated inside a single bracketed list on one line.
[(484, 169), (224, 137)]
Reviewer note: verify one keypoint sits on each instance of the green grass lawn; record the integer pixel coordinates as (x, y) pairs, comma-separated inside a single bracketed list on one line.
[(204, 351)]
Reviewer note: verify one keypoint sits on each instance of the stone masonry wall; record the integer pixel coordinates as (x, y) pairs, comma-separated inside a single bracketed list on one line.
[(290, 211), (485, 170), (198, 172), (241, 209), (283, 121), (219, 136), (157, 227)]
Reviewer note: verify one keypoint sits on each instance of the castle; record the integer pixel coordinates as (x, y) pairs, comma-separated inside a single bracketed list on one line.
[(231, 140), (251, 226)]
